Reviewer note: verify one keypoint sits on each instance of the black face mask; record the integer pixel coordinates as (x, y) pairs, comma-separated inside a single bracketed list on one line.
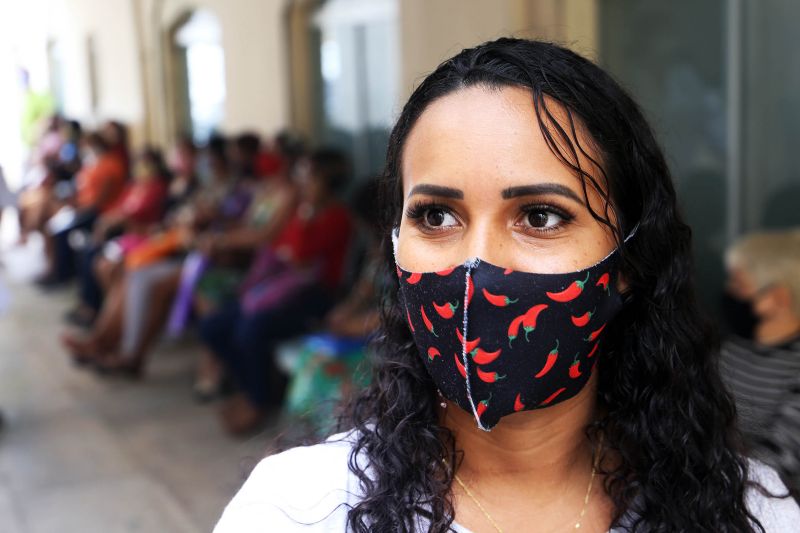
[(739, 315), (526, 341)]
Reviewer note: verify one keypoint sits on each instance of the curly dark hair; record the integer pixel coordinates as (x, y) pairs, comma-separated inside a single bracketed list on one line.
[(665, 413)]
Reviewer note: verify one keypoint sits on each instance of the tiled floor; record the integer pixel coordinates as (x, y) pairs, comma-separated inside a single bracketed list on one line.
[(84, 454)]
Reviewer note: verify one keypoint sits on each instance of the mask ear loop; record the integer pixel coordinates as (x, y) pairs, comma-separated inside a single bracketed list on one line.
[(470, 264)]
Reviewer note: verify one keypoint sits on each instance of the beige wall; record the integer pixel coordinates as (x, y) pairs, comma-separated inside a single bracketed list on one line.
[(131, 83), (433, 30), (255, 43), (118, 81)]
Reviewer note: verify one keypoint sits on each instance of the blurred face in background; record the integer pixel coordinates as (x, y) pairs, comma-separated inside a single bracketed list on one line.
[(145, 170), (765, 302)]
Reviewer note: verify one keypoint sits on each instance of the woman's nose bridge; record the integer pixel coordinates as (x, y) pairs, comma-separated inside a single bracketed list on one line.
[(484, 242)]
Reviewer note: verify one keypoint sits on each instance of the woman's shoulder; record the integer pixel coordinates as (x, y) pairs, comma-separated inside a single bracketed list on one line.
[(308, 487), (776, 514)]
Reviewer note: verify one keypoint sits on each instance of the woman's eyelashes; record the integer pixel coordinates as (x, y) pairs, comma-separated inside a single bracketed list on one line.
[(431, 216), (538, 218), (544, 218)]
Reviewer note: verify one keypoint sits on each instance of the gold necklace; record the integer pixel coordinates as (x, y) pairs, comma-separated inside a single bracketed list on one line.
[(585, 498)]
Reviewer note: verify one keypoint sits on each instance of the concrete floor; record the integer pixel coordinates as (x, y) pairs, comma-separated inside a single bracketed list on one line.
[(83, 454)]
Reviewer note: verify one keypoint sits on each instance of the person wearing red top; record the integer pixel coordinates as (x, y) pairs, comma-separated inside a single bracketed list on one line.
[(291, 283), (134, 212)]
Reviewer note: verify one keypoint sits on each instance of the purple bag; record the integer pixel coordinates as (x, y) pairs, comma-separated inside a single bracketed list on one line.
[(194, 266)]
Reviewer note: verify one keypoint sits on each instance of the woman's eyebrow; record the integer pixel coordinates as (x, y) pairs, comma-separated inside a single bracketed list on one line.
[(540, 188), (437, 190)]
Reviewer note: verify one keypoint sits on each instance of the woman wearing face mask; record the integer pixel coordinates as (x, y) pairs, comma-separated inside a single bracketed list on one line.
[(542, 364), (764, 373)]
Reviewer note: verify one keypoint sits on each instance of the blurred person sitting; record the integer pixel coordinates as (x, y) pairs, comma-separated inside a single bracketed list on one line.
[(327, 365), (763, 373), (140, 295), (121, 230), (116, 136), (291, 283), (58, 164), (182, 162), (98, 187)]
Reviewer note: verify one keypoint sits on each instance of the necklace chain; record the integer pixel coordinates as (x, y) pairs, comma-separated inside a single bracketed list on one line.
[(595, 459)]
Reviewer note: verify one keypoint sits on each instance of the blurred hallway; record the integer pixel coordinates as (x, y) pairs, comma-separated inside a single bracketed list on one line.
[(80, 454)]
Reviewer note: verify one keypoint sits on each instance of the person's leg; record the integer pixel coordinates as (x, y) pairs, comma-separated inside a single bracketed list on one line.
[(105, 335), (262, 383), (149, 294), (148, 326), (90, 294), (63, 265)]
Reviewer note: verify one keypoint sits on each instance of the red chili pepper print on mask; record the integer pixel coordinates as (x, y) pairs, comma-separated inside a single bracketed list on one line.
[(474, 307), (427, 321), (498, 299), (513, 328), (414, 278), (596, 333), (518, 405), (447, 310), (548, 364), (460, 366), (603, 281), (529, 318), (594, 349), (553, 396), (570, 293), (489, 377), (470, 345), (582, 320), (481, 357), (574, 368), (482, 406)]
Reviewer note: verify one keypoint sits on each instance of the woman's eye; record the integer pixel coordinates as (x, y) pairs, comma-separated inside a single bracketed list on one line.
[(543, 219), (436, 217)]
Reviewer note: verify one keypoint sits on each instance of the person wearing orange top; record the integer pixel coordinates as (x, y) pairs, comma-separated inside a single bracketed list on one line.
[(99, 186)]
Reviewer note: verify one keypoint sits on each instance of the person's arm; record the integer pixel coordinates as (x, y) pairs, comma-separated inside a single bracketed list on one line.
[(249, 237)]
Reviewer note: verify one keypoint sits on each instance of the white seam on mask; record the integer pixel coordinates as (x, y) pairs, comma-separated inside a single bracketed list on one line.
[(394, 233), (470, 264)]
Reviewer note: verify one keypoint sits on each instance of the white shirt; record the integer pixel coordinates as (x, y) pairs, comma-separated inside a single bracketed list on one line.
[(310, 488)]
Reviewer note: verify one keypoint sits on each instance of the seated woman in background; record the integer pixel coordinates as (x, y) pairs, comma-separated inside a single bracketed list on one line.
[(327, 366), (121, 230), (542, 364), (99, 185), (764, 373), (159, 253), (292, 282)]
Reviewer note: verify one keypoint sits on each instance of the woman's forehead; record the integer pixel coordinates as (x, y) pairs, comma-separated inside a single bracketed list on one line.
[(486, 139)]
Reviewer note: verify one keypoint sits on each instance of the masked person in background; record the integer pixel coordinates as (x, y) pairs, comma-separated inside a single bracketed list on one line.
[(541, 363), (763, 373)]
